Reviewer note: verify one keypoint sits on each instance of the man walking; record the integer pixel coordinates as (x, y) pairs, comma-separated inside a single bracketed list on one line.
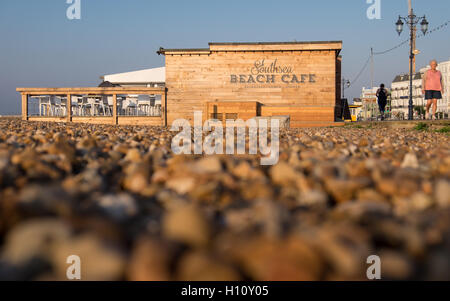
[(432, 88), (382, 95)]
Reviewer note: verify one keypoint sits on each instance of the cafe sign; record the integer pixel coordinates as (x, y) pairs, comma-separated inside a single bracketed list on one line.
[(263, 72)]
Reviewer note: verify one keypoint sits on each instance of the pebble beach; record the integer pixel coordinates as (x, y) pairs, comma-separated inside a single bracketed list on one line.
[(118, 198)]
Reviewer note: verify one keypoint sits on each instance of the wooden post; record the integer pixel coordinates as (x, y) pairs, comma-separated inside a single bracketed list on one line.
[(115, 109), (69, 108), (164, 107), (24, 106)]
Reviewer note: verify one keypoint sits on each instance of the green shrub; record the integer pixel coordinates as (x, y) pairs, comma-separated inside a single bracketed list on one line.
[(421, 126), (444, 130)]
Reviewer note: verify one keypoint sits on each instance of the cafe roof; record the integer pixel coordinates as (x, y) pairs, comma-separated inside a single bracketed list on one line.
[(258, 46)]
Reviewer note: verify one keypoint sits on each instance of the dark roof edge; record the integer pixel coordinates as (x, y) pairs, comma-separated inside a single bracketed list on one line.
[(163, 50), (274, 43)]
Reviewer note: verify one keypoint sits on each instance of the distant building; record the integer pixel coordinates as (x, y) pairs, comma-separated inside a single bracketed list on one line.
[(356, 101), (369, 104), (356, 109), (444, 67), (155, 77), (400, 94), (150, 78)]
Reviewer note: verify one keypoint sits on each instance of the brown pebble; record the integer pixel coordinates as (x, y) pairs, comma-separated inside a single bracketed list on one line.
[(187, 224)]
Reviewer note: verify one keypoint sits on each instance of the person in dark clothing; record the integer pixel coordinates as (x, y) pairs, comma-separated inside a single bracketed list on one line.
[(382, 95)]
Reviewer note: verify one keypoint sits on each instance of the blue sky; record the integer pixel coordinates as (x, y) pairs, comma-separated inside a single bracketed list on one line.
[(39, 46)]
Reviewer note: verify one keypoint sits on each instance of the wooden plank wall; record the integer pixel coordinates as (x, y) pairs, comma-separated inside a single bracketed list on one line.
[(338, 107), (147, 121), (243, 110), (195, 80)]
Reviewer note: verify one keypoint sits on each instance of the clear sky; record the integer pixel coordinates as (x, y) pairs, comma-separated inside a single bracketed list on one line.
[(39, 46)]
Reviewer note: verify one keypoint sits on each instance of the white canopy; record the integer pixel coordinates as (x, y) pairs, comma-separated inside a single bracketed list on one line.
[(147, 76)]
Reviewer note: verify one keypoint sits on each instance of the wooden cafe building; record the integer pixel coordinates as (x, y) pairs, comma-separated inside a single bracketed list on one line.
[(298, 80)]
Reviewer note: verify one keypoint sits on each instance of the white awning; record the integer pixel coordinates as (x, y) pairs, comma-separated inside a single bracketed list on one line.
[(154, 75)]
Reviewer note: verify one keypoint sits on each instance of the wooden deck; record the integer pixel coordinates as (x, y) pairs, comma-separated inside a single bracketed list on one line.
[(115, 119)]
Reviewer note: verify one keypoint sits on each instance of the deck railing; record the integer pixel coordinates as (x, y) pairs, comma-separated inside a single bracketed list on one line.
[(114, 105)]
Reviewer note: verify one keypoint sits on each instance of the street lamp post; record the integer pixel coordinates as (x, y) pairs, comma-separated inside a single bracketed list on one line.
[(345, 84), (412, 20)]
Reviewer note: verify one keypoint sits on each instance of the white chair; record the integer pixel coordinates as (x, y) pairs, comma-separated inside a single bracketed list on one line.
[(108, 104), (158, 110), (153, 103), (62, 110), (47, 106), (130, 106), (144, 104), (94, 105), (156, 106), (44, 105), (79, 106), (74, 105), (86, 107), (55, 102), (97, 106), (102, 105), (51, 106)]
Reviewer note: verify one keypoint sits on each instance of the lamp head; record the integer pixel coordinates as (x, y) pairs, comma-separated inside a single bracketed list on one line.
[(424, 25), (399, 25)]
